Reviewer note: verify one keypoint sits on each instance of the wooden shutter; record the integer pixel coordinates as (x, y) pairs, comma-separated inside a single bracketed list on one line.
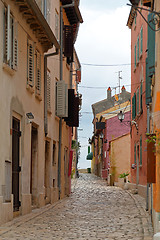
[(140, 150), (15, 45), (8, 35), (141, 99), (38, 72), (30, 63), (138, 49), (135, 56), (5, 35), (137, 101), (141, 35), (56, 25), (61, 99), (68, 42)]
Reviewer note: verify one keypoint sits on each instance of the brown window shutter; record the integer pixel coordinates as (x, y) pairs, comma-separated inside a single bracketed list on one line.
[(68, 43)]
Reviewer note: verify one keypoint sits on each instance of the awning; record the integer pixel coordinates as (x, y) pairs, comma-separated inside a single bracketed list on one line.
[(89, 156)]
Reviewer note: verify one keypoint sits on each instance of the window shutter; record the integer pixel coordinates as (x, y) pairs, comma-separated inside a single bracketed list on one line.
[(133, 107), (137, 101), (56, 25), (48, 91), (38, 73), (141, 40), (15, 46), (8, 35), (5, 35), (135, 58), (68, 43), (141, 150), (30, 63), (61, 99), (141, 103), (138, 49), (48, 7)]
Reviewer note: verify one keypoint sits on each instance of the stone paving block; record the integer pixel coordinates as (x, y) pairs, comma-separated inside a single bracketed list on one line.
[(93, 211)]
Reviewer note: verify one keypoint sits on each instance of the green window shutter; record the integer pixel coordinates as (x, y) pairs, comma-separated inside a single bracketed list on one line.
[(141, 48), (141, 103), (141, 150), (137, 101), (138, 49), (135, 57), (133, 107), (135, 153)]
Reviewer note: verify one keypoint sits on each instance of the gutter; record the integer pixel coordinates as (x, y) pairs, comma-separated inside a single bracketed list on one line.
[(45, 89)]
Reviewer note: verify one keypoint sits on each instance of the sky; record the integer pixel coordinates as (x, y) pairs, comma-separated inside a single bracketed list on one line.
[(103, 39)]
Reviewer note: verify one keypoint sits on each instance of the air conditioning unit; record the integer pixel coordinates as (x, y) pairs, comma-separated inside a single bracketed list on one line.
[(61, 99)]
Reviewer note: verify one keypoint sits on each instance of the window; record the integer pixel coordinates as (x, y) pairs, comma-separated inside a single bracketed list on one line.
[(30, 63), (140, 150), (135, 56), (48, 91), (10, 42), (141, 45), (134, 106), (138, 49), (38, 73), (56, 24), (137, 101), (44, 6), (141, 99)]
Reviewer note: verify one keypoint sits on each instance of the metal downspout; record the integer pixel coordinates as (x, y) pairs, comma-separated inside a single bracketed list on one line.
[(45, 89)]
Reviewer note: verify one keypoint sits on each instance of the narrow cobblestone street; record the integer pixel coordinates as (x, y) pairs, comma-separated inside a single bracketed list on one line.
[(93, 211)]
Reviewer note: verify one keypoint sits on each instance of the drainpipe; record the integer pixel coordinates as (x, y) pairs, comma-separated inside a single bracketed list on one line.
[(148, 130), (45, 89), (61, 78)]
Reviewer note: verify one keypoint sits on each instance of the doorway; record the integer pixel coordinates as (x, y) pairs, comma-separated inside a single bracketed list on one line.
[(47, 173), (16, 134), (34, 165)]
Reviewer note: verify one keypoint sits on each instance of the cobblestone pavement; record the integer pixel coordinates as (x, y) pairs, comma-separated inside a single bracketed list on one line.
[(93, 211)]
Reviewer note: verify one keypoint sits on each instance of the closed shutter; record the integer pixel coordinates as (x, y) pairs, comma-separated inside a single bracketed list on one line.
[(56, 25), (68, 43), (140, 150), (134, 106), (38, 73), (15, 46), (5, 35), (48, 91), (8, 36), (30, 63), (138, 49), (141, 34), (141, 91), (135, 56), (137, 101)]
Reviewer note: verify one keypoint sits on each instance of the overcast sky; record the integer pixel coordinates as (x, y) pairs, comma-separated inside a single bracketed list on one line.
[(103, 39)]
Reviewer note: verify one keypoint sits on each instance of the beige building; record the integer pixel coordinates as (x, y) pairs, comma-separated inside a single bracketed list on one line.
[(34, 158)]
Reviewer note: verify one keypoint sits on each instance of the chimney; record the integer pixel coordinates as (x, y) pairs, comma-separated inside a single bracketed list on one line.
[(109, 93), (123, 89)]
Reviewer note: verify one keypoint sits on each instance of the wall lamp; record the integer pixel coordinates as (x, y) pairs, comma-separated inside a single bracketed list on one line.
[(30, 117), (121, 116), (155, 18)]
